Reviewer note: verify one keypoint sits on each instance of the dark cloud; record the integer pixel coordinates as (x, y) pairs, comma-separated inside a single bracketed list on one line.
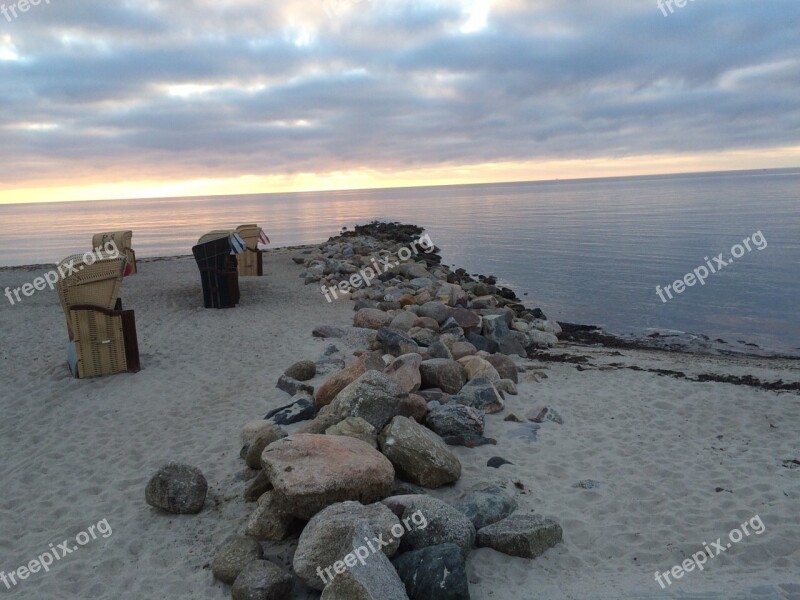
[(231, 88)]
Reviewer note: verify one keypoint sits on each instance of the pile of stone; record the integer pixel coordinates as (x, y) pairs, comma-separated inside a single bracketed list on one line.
[(431, 361)]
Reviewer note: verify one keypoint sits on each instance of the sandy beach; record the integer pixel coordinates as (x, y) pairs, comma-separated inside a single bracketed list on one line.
[(674, 462)]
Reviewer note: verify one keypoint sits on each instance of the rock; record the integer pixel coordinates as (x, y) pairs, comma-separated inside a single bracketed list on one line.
[(545, 414), (480, 394), (455, 419), (514, 418), (262, 580), (442, 524), (467, 320), (403, 320), (309, 472), (338, 381), (497, 461), (355, 427), (371, 318), (257, 487), (418, 454), (437, 311), (374, 579), (234, 556), (177, 488), (542, 339), (485, 302), (504, 366), (462, 349), (483, 343), (439, 350), (447, 375), (475, 366), (374, 397), (407, 300), (268, 521), (494, 327), (293, 387), (434, 395), (423, 337), (524, 535), (302, 370), (264, 439), (426, 323), (507, 386), (414, 407), (321, 544), (328, 331), (253, 429), (300, 409), (513, 343), (450, 326), (359, 337), (396, 342), (486, 506), (404, 371), (434, 572)]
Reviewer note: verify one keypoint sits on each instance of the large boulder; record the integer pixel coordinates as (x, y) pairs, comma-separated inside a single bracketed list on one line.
[(265, 438), (234, 556), (434, 572), (480, 394), (447, 375), (475, 366), (355, 427), (321, 544), (435, 310), (268, 521), (403, 320), (262, 580), (486, 506), (177, 488), (371, 318), (462, 349), (455, 419), (309, 472), (436, 522), (418, 454), (374, 397), (504, 365), (404, 371), (525, 535), (467, 320), (340, 380), (370, 578), (395, 342)]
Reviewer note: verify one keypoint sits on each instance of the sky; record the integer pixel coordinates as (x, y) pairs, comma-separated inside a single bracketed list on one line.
[(150, 98)]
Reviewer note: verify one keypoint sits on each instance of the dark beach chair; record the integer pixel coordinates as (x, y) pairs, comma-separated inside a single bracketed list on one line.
[(218, 271)]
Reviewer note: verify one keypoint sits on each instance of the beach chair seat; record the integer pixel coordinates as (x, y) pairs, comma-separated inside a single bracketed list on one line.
[(218, 267), (103, 338), (123, 241), (251, 261)]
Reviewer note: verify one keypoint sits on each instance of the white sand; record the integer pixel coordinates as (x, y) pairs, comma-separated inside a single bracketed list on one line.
[(75, 452)]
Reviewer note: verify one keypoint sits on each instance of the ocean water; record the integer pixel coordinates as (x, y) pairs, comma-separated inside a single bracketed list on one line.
[(589, 251)]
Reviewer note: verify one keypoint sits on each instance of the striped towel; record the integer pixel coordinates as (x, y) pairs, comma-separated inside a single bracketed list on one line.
[(237, 243), (262, 237)]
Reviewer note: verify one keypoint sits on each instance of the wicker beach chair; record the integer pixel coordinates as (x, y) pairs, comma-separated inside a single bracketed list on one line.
[(102, 336), (251, 262), (122, 240), (218, 270)]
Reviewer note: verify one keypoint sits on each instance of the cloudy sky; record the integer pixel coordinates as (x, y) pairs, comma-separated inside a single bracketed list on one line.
[(154, 98)]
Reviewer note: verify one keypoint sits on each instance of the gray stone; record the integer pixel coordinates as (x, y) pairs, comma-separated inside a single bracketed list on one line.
[(434, 522), (321, 544), (507, 386), (418, 454), (264, 439), (423, 337), (439, 350), (525, 535), (403, 321), (455, 419), (257, 487), (505, 367), (177, 488), (374, 397), (435, 310), (268, 521), (355, 427), (435, 572), (447, 375), (300, 409), (371, 318), (404, 371), (293, 387), (486, 506), (396, 342), (262, 580), (480, 394), (234, 556)]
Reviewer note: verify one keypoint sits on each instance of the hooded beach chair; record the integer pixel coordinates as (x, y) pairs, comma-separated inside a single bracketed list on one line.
[(122, 240), (215, 254), (102, 335), (251, 261)]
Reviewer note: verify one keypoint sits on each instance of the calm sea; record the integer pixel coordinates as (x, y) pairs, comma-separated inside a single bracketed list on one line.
[(587, 251)]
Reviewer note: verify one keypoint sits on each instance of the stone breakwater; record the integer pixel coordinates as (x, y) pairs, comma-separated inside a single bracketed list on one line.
[(368, 429)]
